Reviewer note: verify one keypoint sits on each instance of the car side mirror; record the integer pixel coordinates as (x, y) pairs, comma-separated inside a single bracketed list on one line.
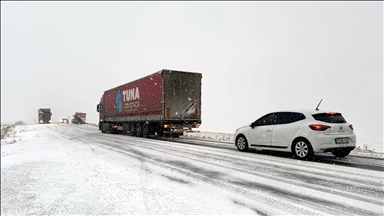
[(99, 107), (253, 125)]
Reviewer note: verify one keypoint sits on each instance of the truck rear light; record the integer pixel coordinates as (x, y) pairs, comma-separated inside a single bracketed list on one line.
[(167, 126), (319, 127), (351, 126)]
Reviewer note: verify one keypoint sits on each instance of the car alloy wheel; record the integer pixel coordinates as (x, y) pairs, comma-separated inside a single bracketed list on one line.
[(241, 143), (303, 150)]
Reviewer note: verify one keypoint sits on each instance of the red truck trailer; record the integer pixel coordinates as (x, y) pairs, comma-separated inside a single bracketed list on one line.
[(79, 118), (167, 102)]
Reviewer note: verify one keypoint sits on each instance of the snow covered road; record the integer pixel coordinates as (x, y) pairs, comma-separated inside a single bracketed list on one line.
[(75, 169)]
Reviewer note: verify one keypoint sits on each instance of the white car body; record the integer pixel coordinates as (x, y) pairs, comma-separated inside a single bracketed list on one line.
[(297, 136)]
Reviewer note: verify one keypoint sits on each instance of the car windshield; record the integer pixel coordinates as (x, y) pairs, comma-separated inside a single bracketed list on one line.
[(329, 117)]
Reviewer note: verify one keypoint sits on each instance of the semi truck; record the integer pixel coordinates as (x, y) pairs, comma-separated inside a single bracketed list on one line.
[(165, 103), (44, 115), (79, 118)]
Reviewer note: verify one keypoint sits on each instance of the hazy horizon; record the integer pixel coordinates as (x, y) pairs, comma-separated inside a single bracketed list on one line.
[(255, 57)]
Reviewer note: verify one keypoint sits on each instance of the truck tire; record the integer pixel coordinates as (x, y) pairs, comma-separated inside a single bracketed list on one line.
[(138, 130), (145, 130), (133, 129), (112, 129), (160, 132)]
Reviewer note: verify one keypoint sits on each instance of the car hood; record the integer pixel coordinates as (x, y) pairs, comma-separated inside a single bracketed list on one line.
[(244, 126)]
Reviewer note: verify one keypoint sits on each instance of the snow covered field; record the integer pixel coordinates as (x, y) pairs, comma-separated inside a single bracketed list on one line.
[(45, 171)]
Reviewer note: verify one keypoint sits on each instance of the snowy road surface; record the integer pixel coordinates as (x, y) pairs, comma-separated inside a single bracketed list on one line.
[(75, 169)]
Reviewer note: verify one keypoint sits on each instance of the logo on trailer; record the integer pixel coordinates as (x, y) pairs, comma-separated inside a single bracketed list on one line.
[(131, 99), (119, 101), (131, 94)]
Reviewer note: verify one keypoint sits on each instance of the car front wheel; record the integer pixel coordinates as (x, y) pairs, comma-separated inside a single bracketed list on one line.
[(242, 143), (302, 149)]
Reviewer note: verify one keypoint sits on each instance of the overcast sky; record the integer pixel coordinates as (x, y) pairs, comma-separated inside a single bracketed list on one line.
[(255, 57)]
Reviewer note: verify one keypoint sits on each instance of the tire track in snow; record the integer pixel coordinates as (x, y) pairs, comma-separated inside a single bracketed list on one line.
[(333, 184), (144, 179), (206, 176)]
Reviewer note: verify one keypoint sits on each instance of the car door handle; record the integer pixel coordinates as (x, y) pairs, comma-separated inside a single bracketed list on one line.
[(268, 130)]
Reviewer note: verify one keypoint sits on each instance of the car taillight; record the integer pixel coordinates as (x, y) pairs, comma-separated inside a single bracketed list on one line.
[(351, 126), (319, 127)]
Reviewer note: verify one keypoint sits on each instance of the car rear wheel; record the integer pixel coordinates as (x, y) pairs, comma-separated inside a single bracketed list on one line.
[(242, 143), (302, 149)]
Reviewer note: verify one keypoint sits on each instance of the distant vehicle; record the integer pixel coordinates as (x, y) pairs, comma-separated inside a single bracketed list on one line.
[(302, 132), (167, 102), (79, 118), (44, 115), (64, 120)]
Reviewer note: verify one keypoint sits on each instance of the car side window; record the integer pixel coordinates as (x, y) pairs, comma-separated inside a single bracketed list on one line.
[(269, 119), (289, 117)]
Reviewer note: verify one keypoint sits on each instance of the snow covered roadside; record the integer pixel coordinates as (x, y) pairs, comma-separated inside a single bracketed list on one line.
[(363, 150), (45, 173)]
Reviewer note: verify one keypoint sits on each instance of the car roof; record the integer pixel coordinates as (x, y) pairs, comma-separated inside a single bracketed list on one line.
[(310, 111)]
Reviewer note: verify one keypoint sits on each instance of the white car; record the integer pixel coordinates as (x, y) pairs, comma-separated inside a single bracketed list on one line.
[(302, 132)]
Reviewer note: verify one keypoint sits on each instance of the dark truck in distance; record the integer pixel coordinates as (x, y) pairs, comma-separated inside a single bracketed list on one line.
[(167, 102), (79, 118), (44, 115)]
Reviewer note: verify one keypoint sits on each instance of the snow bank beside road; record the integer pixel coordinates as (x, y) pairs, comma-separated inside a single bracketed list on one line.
[(363, 150)]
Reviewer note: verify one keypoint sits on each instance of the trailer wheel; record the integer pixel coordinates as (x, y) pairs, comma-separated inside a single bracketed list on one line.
[(138, 130), (145, 130), (132, 130), (160, 132), (112, 129)]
